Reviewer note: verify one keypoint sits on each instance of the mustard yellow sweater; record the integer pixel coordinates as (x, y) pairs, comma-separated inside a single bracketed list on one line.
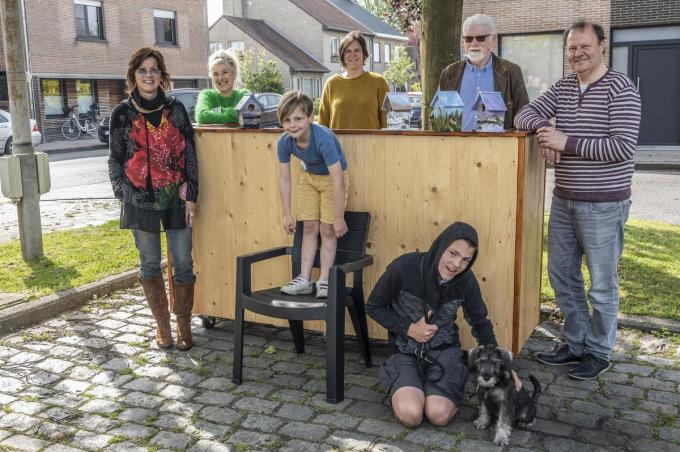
[(354, 103)]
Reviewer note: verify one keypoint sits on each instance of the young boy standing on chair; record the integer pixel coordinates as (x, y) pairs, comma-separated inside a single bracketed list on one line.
[(322, 189)]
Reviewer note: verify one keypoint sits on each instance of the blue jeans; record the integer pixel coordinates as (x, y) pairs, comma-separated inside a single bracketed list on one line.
[(593, 230), (149, 246)]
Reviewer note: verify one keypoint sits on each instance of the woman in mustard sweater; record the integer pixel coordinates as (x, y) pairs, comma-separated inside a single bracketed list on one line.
[(353, 100), (216, 106)]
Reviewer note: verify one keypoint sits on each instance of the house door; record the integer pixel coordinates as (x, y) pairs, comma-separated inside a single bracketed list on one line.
[(656, 71)]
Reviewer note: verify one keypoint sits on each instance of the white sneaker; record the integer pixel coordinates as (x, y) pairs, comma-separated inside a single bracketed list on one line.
[(322, 289), (298, 286)]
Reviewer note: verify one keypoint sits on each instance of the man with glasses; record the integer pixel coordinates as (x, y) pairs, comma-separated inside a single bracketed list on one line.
[(481, 70), (597, 118)]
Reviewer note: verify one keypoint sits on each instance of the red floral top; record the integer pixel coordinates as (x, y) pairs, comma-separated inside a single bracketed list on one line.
[(166, 152), (166, 147)]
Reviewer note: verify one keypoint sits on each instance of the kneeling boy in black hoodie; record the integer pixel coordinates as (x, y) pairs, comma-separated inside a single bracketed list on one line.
[(416, 300)]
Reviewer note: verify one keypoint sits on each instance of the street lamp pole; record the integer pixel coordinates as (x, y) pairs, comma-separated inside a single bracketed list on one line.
[(28, 207)]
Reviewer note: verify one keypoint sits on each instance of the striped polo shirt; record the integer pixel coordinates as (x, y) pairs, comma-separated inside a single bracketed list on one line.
[(601, 124)]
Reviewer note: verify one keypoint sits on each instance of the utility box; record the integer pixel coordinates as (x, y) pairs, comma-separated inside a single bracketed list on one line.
[(10, 175)]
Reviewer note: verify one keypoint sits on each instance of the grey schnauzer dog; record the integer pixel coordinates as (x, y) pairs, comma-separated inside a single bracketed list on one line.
[(498, 399)]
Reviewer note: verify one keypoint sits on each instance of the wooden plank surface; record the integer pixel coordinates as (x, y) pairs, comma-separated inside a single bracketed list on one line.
[(413, 186)]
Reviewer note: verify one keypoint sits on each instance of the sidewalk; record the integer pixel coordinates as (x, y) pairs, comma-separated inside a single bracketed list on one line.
[(84, 143), (88, 380)]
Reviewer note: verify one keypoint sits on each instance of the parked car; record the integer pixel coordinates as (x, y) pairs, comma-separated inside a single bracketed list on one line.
[(416, 109), (189, 97), (6, 133), (270, 102)]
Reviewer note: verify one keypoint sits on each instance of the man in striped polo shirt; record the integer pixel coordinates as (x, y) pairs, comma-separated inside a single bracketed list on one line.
[(597, 117)]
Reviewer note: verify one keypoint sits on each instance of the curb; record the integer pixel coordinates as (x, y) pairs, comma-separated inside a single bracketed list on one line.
[(639, 322), (657, 166), (93, 147), (31, 312)]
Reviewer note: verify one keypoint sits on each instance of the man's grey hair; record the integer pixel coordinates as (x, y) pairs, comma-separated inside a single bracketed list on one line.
[(224, 56), (479, 19)]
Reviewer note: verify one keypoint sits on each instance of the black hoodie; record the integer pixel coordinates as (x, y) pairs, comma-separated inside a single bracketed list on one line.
[(410, 287)]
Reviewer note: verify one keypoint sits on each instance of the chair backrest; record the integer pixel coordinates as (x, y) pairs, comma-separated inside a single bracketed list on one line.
[(351, 246)]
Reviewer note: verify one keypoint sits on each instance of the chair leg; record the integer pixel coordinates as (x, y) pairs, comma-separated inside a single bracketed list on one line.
[(237, 366), (335, 346), (358, 316), (297, 331)]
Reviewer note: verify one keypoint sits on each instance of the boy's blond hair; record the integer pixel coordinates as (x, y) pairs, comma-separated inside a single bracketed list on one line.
[(292, 100)]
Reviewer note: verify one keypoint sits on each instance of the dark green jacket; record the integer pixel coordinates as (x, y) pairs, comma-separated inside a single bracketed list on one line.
[(507, 79)]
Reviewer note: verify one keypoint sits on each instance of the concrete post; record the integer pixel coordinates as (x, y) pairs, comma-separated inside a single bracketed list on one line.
[(30, 229)]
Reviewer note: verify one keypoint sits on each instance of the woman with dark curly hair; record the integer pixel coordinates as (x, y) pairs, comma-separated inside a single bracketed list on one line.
[(154, 172)]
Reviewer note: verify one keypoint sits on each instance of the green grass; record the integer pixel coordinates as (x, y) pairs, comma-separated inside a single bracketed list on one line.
[(72, 258), (649, 273), (649, 270)]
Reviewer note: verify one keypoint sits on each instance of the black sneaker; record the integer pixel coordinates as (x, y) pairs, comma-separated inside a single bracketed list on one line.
[(559, 357), (590, 368)]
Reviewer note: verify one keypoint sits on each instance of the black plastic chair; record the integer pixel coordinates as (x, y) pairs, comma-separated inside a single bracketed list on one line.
[(350, 258)]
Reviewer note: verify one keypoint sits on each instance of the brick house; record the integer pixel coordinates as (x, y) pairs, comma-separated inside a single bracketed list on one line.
[(313, 28), (642, 40), (81, 57)]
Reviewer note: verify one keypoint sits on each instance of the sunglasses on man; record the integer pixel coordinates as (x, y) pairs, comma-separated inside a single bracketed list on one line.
[(480, 38)]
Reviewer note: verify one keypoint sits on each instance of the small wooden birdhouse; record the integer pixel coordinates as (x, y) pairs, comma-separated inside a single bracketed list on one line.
[(249, 112), (489, 108), (398, 108), (447, 111)]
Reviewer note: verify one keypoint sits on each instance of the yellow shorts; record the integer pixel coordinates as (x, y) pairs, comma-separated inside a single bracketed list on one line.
[(316, 197)]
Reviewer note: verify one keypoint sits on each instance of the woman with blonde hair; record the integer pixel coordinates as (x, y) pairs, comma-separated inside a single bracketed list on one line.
[(216, 106)]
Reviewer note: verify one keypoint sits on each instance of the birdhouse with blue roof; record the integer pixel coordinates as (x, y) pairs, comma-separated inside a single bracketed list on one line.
[(489, 108), (447, 111), (249, 112), (398, 108)]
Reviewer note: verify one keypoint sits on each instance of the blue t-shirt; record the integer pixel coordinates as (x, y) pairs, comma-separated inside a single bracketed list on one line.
[(323, 150)]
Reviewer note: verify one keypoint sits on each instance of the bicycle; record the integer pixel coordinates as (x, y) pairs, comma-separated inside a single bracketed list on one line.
[(74, 126)]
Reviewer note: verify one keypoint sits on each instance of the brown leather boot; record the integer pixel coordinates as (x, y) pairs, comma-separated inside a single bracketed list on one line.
[(154, 289), (184, 303)]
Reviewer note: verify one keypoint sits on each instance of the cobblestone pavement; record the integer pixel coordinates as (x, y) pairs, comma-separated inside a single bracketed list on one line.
[(90, 380)]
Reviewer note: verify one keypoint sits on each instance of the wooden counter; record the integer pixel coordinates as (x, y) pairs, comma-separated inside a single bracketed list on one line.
[(413, 183)]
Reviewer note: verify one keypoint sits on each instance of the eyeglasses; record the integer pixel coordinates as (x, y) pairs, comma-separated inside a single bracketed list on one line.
[(153, 71), (480, 38)]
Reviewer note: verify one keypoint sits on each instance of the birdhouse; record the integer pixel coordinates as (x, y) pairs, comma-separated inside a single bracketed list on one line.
[(489, 108), (398, 108), (447, 111), (249, 112)]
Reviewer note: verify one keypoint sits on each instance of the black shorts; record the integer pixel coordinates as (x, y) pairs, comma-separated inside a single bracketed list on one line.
[(401, 370)]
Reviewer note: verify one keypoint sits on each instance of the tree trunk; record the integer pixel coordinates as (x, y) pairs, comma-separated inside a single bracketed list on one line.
[(439, 45)]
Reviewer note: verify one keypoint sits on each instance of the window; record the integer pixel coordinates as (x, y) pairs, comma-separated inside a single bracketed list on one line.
[(215, 46), (239, 46), (318, 87), (307, 87), (376, 52), (539, 55), (4, 94), (53, 96), (85, 95), (335, 56), (165, 26), (388, 53), (88, 14)]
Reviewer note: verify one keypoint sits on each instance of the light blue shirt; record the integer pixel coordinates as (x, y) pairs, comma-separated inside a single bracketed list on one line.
[(323, 150), (474, 81)]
